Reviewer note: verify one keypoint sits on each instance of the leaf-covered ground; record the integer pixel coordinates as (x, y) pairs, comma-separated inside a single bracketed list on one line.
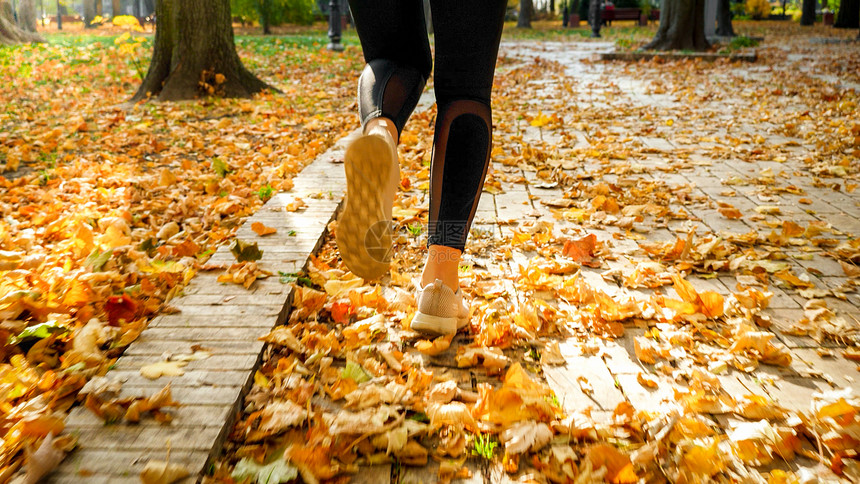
[(662, 276), (109, 209), (642, 211)]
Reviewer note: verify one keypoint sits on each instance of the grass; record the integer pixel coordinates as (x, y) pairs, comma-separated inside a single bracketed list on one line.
[(485, 446), (553, 31)]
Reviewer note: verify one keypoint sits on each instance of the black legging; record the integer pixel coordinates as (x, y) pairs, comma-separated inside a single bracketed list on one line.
[(394, 39)]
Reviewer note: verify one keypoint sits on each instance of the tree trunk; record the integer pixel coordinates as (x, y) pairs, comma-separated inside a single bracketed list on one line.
[(195, 54), (135, 9), (807, 16), (89, 13), (849, 15), (724, 19), (27, 15), (524, 19), (10, 33), (116, 8), (263, 8), (682, 26), (99, 8)]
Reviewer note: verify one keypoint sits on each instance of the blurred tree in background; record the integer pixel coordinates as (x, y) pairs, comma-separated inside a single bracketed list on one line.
[(275, 12)]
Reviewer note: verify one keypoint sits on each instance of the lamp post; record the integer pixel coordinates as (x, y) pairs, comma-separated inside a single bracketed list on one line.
[(334, 26)]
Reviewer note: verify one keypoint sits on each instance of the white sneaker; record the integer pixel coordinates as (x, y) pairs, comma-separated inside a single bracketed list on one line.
[(363, 232), (440, 310)]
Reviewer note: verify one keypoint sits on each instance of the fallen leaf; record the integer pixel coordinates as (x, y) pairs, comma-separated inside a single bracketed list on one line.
[(160, 472), (275, 472), (525, 436), (44, 460), (262, 230), (155, 371), (646, 381), (246, 251)]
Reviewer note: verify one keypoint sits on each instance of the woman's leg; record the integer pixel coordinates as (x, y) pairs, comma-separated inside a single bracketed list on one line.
[(394, 39), (467, 43)]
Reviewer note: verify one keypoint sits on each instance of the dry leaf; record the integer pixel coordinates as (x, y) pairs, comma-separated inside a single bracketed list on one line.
[(44, 460), (160, 472), (155, 371), (262, 230), (525, 436)]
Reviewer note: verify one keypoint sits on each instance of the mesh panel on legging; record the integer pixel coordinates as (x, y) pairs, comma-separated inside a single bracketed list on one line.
[(389, 90), (461, 154)]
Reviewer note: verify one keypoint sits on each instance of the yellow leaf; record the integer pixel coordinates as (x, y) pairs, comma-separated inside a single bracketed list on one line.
[(619, 469), (160, 472), (433, 348), (768, 210), (155, 371)]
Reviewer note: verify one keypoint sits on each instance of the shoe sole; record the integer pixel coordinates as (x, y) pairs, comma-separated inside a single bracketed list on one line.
[(363, 234), (427, 323)]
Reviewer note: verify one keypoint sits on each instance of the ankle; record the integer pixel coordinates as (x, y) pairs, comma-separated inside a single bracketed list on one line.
[(443, 263), (383, 127)]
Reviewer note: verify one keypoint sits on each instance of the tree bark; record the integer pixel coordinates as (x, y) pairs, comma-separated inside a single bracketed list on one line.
[(116, 8), (849, 15), (89, 13), (724, 19), (263, 8), (807, 16), (27, 15), (682, 26), (195, 54), (10, 33), (524, 19), (99, 7)]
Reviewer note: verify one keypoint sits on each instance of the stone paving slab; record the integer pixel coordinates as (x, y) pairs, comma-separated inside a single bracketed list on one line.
[(225, 319)]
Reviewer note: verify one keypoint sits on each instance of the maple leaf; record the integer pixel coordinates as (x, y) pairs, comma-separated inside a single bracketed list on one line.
[(581, 250)]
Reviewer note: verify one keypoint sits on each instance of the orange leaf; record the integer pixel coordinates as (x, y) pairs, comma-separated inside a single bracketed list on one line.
[(850, 269), (433, 348), (791, 229), (341, 312), (712, 304), (685, 289), (580, 250), (262, 230), (619, 469), (790, 278), (731, 213)]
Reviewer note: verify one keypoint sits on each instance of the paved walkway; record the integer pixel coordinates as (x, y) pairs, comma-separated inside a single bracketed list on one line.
[(678, 158), (705, 161)]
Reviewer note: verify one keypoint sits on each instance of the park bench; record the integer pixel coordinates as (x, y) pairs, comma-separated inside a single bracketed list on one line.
[(608, 15)]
